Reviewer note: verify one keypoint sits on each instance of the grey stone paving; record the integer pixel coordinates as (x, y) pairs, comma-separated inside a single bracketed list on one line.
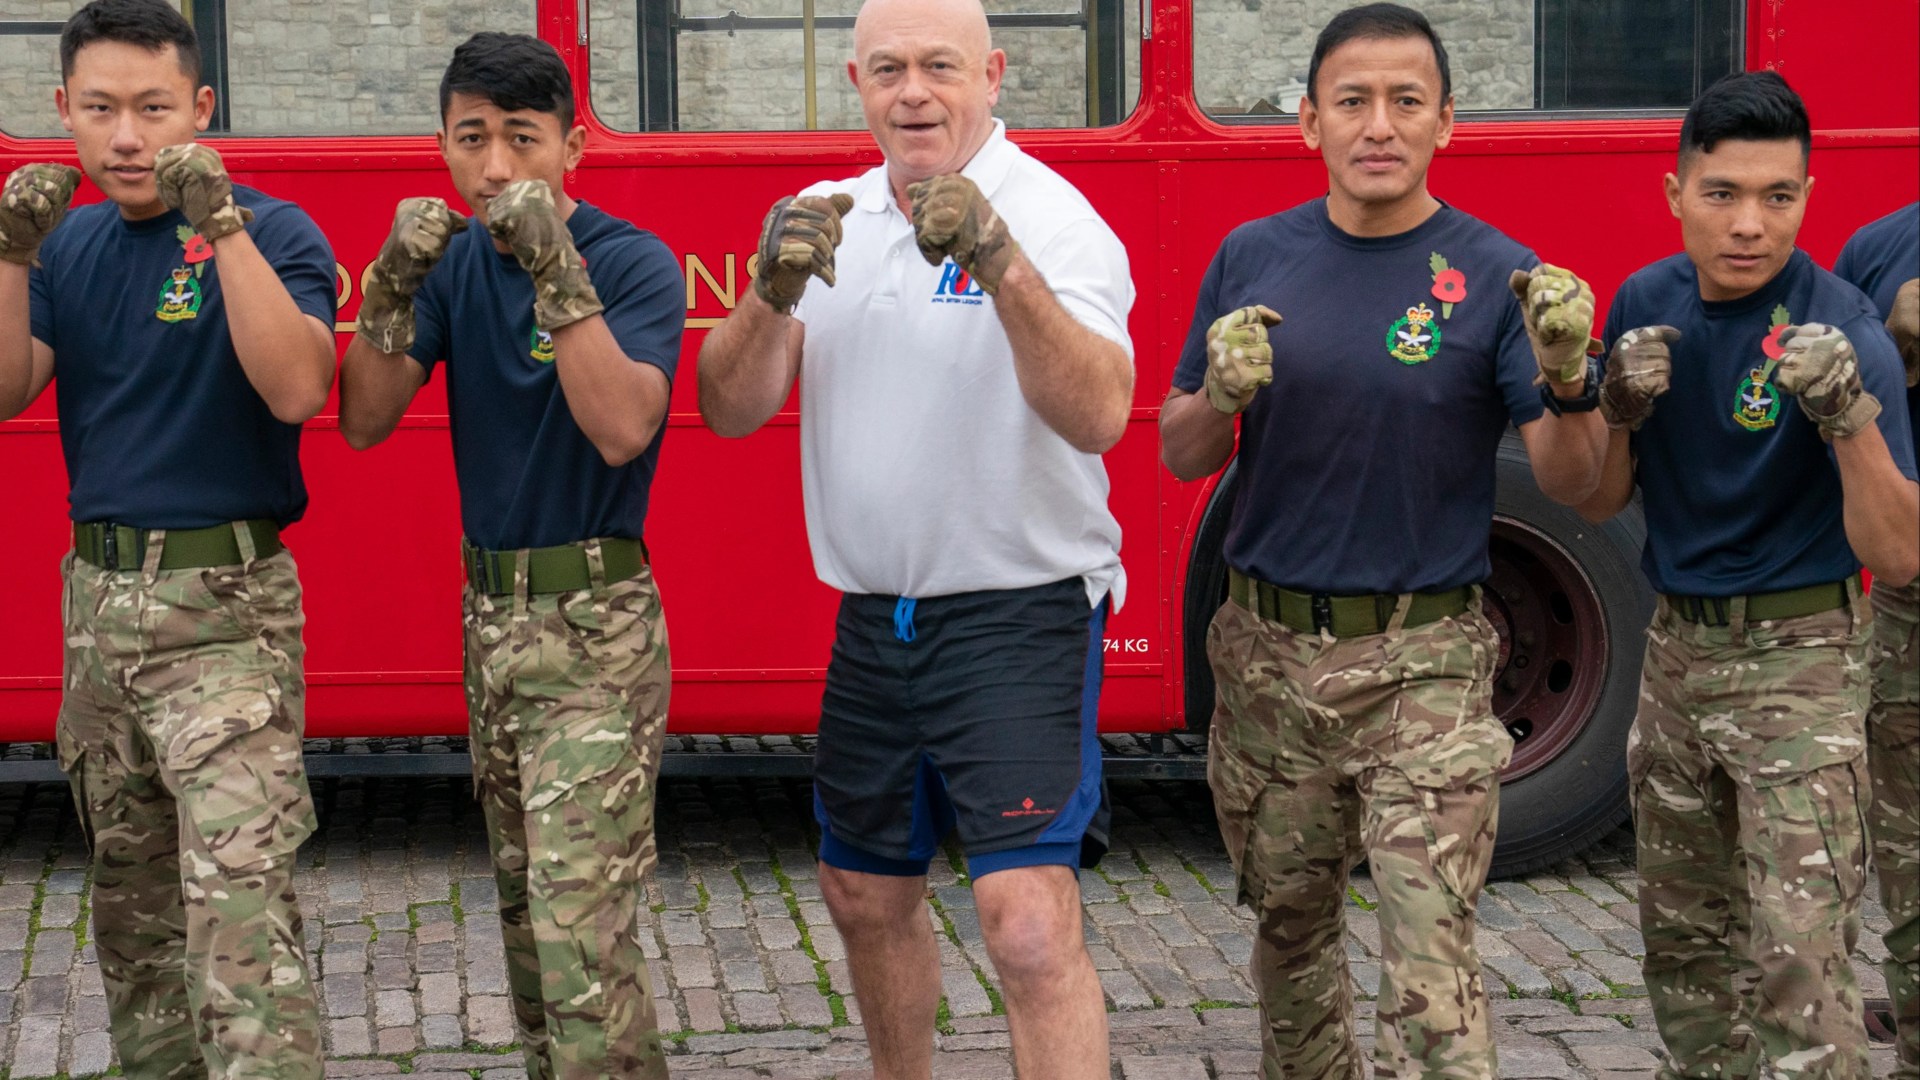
[(751, 977)]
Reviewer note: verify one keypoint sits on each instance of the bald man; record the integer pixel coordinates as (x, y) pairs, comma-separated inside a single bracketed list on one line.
[(967, 362)]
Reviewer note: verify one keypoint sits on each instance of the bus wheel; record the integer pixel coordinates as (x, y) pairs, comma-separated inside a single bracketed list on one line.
[(1571, 608)]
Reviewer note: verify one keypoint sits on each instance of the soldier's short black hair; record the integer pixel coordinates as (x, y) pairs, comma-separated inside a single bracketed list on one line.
[(1377, 21), (1754, 105), (150, 24), (514, 71)]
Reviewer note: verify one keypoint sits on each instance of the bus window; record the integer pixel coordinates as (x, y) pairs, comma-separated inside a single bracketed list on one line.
[(296, 68), (30, 66), (781, 65), (1512, 56)]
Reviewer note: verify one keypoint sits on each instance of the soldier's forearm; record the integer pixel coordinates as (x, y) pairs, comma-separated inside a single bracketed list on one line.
[(618, 402), (1196, 439), (286, 354), (16, 340), (1615, 489), (1881, 507)]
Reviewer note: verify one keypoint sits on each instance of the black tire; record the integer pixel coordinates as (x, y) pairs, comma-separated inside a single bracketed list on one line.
[(1573, 800), (1563, 805)]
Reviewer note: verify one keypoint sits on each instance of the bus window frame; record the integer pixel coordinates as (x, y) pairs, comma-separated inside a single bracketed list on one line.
[(1166, 123)]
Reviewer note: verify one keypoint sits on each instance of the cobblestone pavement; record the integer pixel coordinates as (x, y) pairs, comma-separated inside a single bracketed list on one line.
[(752, 979)]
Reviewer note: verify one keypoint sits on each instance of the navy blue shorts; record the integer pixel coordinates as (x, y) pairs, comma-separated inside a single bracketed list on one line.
[(973, 712)]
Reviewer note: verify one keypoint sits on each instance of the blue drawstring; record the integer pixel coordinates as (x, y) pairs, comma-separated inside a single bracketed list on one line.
[(903, 619)]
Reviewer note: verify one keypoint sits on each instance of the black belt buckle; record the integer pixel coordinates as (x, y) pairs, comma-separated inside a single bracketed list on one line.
[(480, 572), (1708, 610), (110, 546), (1322, 606)]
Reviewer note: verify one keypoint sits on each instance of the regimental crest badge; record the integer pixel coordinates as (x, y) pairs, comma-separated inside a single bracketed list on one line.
[(1414, 338), (180, 297), (1756, 405), (542, 346)]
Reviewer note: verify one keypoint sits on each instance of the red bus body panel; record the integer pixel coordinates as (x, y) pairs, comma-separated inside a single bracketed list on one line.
[(749, 623)]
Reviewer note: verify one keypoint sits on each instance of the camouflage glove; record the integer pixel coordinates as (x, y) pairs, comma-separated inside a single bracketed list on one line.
[(192, 179), (796, 242), (1817, 365), (1239, 360), (524, 218), (1903, 322), (1558, 310), (32, 203), (1639, 370), (951, 217), (422, 228)]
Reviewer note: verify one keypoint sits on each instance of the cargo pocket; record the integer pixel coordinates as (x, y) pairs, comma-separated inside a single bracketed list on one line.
[(242, 782), (589, 812), (1457, 785), (1812, 861), (72, 755)]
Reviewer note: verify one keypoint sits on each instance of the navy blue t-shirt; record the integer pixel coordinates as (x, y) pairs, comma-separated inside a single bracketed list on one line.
[(1368, 465), (529, 477), (159, 425), (1880, 258), (1741, 493)]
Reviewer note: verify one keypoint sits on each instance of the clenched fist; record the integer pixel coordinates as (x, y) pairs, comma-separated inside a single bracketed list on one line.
[(1818, 366), (1558, 309), (422, 228), (1903, 322), (1639, 369), (192, 179), (32, 203), (1239, 359), (797, 241), (952, 217), (524, 218)]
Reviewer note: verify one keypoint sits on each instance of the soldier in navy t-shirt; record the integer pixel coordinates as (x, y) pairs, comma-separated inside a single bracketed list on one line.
[(1756, 402), (187, 325), (1353, 663), (557, 327), (1883, 260)]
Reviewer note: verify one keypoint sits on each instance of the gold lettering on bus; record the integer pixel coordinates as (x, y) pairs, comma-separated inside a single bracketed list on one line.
[(697, 272), (342, 292)]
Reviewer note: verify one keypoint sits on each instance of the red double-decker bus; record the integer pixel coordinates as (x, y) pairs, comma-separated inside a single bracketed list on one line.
[(1174, 116)]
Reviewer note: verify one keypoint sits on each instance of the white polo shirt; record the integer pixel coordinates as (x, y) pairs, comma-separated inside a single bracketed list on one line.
[(925, 471)]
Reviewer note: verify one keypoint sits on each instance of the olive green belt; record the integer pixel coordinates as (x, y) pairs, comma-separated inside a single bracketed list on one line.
[(122, 547), (1767, 606), (562, 568), (1342, 616)]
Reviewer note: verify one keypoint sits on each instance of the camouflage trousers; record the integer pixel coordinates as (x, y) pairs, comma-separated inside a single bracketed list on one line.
[(1325, 751), (567, 696), (179, 732), (1893, 755), (1749, 781)]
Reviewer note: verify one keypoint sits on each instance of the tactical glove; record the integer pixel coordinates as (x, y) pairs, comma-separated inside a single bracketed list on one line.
[(1818, 366), (422, 228), (1639, 370), (192, 179), (1239, 359), (1903, 322), (524, 218), (32, 203), (797, 241), (1558, 310), (952, 217)]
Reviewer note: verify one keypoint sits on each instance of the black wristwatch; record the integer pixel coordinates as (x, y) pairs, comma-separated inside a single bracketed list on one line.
[(1588, 400)]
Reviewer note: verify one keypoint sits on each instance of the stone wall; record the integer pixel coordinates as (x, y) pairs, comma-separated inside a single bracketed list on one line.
[(373, 66)]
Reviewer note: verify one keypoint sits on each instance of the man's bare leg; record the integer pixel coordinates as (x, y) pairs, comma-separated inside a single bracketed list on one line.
[(894, 963), (1030, 917)]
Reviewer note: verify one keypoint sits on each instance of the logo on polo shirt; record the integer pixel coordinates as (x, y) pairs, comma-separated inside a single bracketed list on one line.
[(542, 346), (957, 287)]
